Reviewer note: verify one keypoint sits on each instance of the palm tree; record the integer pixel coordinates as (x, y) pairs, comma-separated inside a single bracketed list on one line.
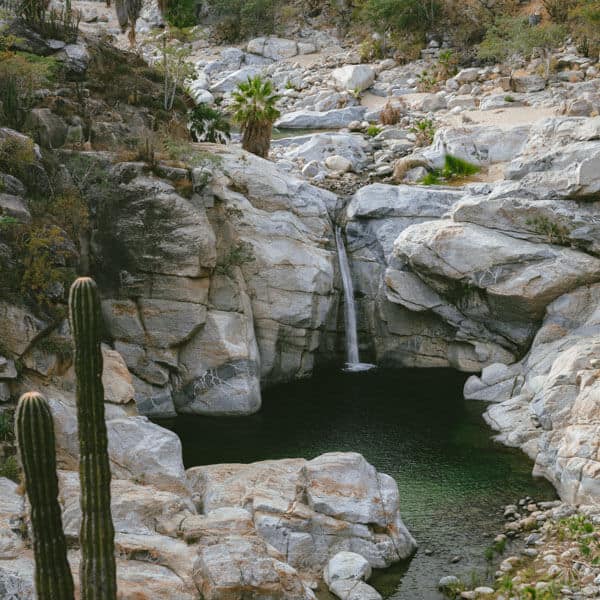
[(208, 125), (128, 12), (254, 109)]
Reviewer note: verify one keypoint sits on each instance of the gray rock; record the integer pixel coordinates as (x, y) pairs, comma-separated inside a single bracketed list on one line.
[(347, 566), (331, 119), (527, 84), (273, 47), (353, 77), (48, 129), (230, 82), (15, 207)]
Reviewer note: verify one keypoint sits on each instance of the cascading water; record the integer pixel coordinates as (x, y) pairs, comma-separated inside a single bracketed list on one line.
[(352, 355)]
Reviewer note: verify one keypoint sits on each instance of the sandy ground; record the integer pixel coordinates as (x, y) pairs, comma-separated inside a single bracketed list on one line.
[(504, 118)]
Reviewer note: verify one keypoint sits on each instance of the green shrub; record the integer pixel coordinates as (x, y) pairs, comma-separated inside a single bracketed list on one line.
[(457, 167), (454, 168), (559, 9), (373, 130), (47, 256), (424, 130), (209, 125), (370, 50), (7, 426), (59, 24), (21, 75), (181, 14), (402, 15), (9, 468), (17, 154), (514, 35), (237, 256), (244, 18), (584, 22)]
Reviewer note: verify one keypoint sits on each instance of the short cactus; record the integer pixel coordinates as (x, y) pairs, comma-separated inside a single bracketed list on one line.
[(35, 438), (96, 537)]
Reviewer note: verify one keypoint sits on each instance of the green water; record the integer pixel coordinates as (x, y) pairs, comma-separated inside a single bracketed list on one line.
[(412, 424)]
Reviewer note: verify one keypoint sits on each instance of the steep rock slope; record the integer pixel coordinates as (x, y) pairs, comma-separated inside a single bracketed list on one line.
[(466, 278)]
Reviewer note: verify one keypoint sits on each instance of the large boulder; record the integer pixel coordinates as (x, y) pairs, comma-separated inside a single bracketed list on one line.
[(273, 47), (311, 510), (47, 128), (319, 147), (477, 144), (526, 83), (354, 78), (231, 81), (329, 119)]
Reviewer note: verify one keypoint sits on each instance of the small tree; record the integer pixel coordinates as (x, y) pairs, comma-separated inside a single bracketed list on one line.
[(254, 110)]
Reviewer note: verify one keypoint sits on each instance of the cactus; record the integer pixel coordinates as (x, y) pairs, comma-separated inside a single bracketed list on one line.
[(96, 537), (35, 438)]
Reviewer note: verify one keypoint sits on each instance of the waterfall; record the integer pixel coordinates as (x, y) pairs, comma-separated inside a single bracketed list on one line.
[(352, 356)]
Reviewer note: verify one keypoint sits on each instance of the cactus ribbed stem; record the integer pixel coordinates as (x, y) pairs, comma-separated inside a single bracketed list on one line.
[(35, 438), (98, 570)]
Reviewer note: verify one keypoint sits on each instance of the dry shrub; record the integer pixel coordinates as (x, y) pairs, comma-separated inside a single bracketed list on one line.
[(392, 113)]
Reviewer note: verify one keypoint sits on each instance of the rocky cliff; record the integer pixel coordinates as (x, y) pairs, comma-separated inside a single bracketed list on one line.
[(495, 273)]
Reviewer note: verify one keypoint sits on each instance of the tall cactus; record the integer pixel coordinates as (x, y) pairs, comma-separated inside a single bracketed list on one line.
[(35, 438), (96, 537)]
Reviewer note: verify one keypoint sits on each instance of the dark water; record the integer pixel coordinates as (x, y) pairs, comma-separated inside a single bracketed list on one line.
[(412, 424)]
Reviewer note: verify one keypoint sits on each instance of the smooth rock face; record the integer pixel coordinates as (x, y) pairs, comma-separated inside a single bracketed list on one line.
[(550, 410), (330, 119), (221, 291), (339, 517), (248, 532)]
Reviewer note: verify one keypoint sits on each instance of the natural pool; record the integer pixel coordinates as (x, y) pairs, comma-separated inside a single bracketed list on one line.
[(411, 424)]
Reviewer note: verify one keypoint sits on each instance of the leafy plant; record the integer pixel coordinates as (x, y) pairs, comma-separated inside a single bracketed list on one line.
[(21, 75), (373, 130), (457, 167), (402, 15), (7, 429), (559, 9), (181, 13), (244, 18), (424, 130), (47, 254), (237, 256), (9, 468), (554, 232), (513, 35), (60, 24), (209, 125), (254, 109), (371, 49), (447, 65), (454, 168), (17, 154), (426, 81)]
